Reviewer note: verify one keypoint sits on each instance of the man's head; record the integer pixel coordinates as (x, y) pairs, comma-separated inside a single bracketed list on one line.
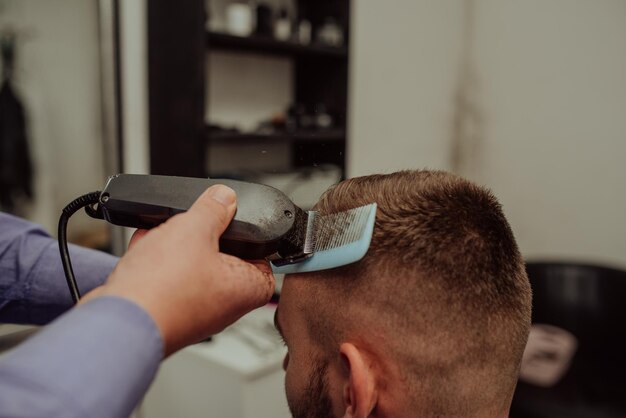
[(431, 322)]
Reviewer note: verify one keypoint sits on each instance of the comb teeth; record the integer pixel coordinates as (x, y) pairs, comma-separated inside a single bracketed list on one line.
[(325, 232)]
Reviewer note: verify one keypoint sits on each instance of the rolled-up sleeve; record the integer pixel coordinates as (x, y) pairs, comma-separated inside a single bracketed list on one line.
[(33, 289), (97, 360)]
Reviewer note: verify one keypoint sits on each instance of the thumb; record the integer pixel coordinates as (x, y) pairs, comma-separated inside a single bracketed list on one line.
[(252, 284), (214, 210)]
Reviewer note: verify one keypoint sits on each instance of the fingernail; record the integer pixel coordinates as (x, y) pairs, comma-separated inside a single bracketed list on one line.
[(223, 194)]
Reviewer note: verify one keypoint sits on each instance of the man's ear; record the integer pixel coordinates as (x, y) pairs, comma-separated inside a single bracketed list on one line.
[(359, 393)]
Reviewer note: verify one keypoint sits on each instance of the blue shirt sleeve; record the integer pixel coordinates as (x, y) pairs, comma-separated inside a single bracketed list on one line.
[(33, 289), (97, 361)]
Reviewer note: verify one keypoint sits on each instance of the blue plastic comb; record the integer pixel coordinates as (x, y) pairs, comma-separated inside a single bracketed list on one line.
[(335, 240)]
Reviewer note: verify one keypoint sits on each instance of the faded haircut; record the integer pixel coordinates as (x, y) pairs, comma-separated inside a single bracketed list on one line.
[(442, 291)]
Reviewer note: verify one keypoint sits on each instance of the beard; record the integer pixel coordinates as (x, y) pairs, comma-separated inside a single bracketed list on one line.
[(315, 400)]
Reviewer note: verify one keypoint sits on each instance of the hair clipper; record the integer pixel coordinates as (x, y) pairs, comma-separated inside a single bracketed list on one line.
[(267, 224)]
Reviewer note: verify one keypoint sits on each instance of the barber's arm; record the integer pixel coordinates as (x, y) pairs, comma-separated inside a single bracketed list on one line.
[(33, 289), (171, 289)]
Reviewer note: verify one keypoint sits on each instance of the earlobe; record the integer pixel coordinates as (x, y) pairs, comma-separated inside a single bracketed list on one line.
[(348, 400), (359, 392)]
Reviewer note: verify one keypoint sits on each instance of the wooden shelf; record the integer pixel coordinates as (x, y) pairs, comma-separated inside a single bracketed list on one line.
[(271, 46), (334, 135)]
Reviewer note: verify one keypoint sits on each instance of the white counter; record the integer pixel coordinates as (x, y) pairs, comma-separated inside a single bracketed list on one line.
[(236, 375)]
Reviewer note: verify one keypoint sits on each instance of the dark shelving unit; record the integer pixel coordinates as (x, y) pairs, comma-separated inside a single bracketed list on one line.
[(176, 81), (317, 136), (270, 46), (178, 44)]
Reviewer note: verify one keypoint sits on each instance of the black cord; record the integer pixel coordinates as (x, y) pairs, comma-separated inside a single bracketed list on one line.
[(84, 201)]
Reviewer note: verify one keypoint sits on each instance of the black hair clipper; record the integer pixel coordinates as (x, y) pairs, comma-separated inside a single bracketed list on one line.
[(267, 224)]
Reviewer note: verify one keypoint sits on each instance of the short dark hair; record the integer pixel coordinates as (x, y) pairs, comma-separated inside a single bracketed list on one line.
[(443, 277)]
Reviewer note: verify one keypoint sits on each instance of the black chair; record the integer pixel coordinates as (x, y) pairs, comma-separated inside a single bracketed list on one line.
[(590, 302)]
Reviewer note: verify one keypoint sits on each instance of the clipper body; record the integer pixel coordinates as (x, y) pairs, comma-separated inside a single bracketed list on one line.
[(267, 224)]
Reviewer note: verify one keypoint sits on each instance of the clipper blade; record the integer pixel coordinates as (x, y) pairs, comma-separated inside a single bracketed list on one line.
[(334, 240)]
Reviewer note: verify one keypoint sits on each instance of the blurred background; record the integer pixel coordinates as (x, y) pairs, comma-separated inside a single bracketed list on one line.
[(527, 98)]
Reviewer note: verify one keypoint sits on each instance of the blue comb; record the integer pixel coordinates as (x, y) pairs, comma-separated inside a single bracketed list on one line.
[(335, 240)]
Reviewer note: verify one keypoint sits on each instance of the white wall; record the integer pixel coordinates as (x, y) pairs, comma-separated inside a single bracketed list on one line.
[(403, 70), (544, 118), (553, 78), (57, 78)]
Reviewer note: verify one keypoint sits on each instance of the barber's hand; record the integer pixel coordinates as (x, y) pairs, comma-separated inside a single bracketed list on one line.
[(177, 274)]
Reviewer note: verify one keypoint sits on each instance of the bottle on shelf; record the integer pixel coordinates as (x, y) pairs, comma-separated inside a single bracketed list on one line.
[(282, 26), (330, 33), (304, 32), (239, 20)]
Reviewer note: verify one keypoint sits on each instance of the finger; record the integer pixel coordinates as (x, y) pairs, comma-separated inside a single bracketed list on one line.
[(213, 211), (262, 265), (137, 235), (254, 279)]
